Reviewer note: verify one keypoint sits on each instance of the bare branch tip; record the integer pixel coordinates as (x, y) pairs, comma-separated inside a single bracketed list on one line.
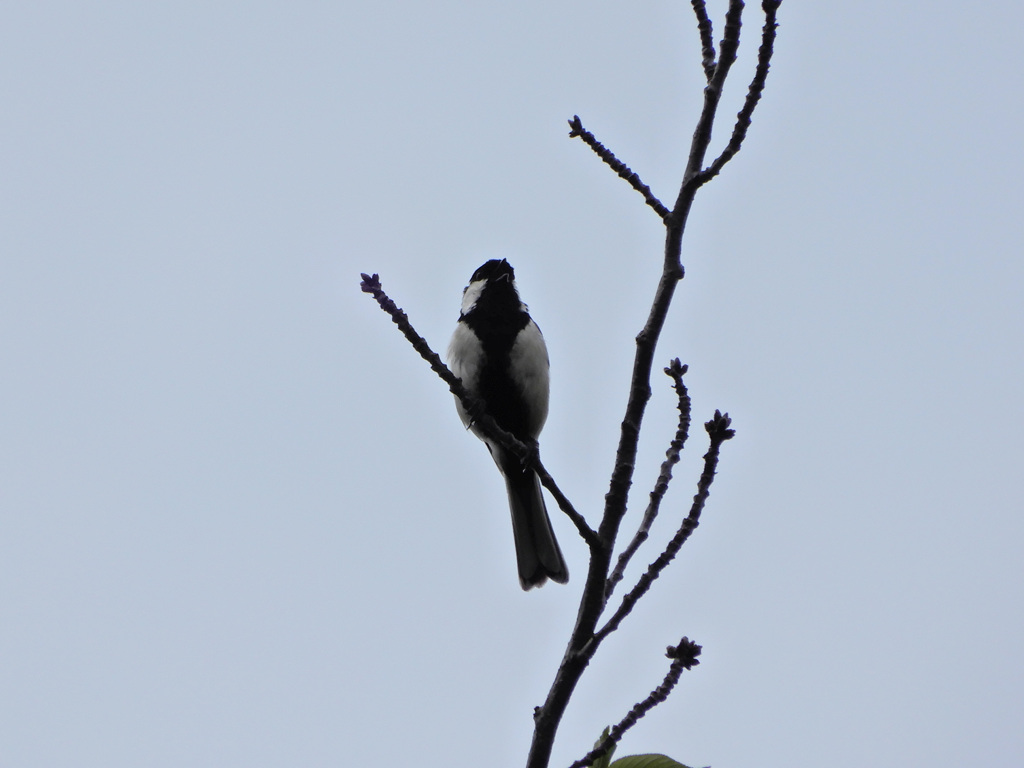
[(719, 427), (676, 369), (686, 653), (370, 283)]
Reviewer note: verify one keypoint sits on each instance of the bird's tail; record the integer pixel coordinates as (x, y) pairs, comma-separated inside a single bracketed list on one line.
[(537, 552)]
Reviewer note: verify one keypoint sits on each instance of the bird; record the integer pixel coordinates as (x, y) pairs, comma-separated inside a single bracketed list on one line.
[(498, 352)]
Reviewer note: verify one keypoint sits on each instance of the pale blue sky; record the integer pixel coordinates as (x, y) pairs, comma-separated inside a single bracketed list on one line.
[(240, 521)]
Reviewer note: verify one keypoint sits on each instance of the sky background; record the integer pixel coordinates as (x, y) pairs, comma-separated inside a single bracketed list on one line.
[(240, 521)]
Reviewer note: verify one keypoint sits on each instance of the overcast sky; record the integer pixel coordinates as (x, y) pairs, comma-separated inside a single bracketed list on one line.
[(240, 521)]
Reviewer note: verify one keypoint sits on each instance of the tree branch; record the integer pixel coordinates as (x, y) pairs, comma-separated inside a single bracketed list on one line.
[(589, 534), (707, 38), (601, 579), (578, 131), (584, 641), (371, 284), (672, 273)]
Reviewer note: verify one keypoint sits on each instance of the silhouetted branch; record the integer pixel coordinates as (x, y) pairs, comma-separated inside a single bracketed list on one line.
[(528, 454), (684, 656), (371, 284), (578, 131), (730, 43), (707, 38), (675, 370), (589, 534)]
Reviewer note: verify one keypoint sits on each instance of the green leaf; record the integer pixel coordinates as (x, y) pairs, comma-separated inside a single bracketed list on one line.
[(646, 761), (606, 758)]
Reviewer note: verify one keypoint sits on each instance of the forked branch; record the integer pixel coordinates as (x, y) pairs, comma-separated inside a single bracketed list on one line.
[(743, 117)]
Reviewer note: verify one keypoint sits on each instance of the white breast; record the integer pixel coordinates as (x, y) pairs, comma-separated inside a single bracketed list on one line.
[(465, 358), (528, 362)]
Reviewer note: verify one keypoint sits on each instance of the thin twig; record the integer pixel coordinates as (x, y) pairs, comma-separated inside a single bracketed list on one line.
[(719, 431), (371, 284), (707, 38), (730, 43), (684, 656), (589, 534), (675, 370), (577, 130), (528, 454)]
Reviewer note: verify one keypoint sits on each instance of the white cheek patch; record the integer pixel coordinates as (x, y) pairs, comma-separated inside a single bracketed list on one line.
[(471, 294), (465, 358), (528, 362)]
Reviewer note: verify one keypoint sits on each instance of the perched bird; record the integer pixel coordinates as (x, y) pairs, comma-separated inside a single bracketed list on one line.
[(499, 353)]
